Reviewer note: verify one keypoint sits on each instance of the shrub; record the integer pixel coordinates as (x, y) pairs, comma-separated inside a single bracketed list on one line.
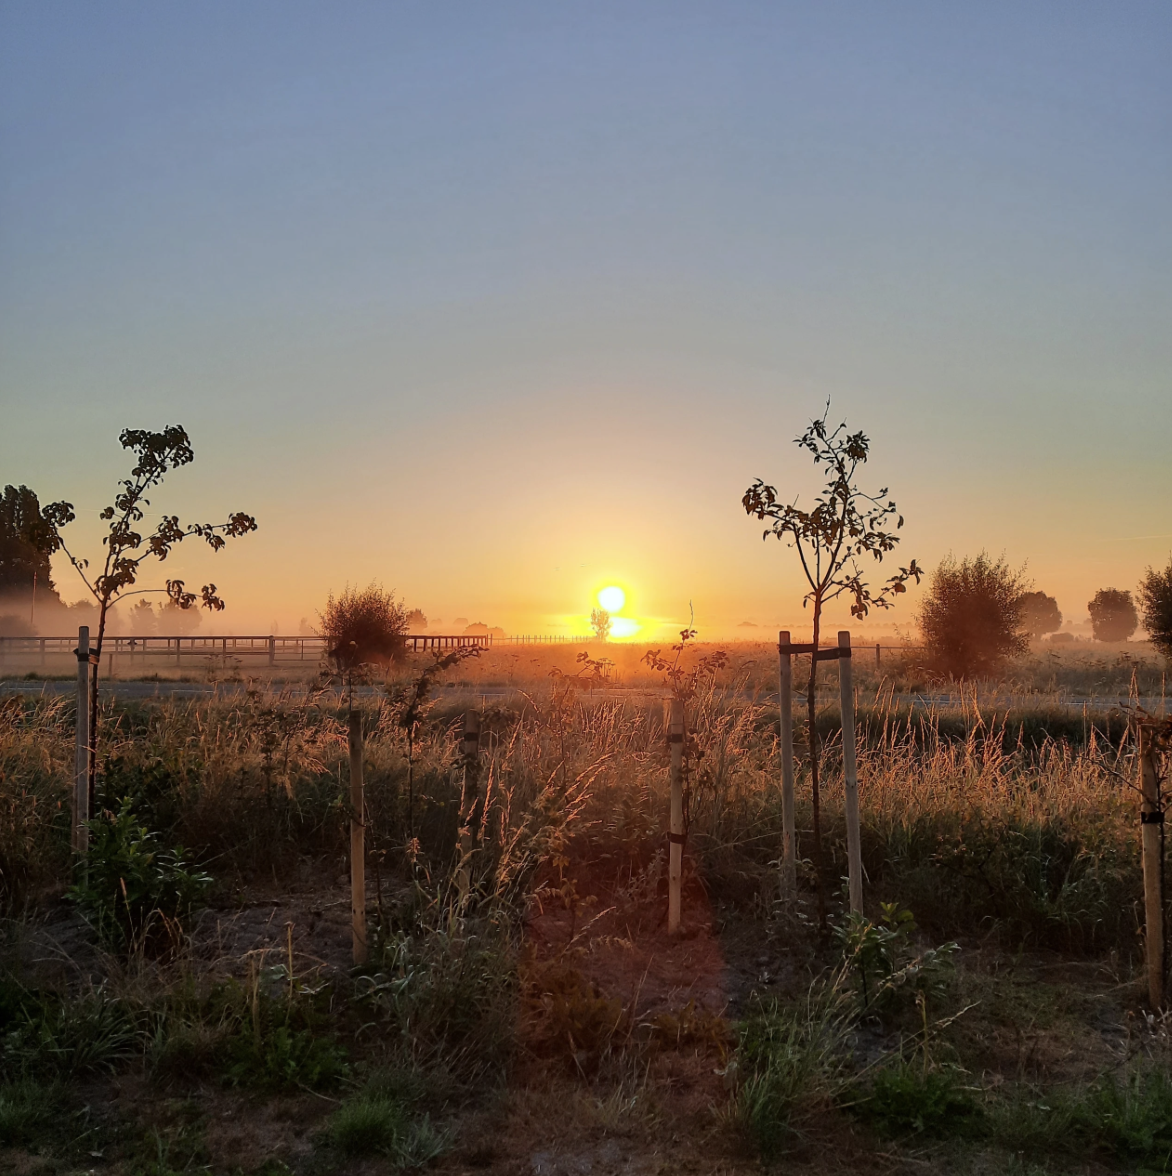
[(1155, 598), (908, 1099), (971, 618), (133, 891), (1039, 614), (1113, 615), (364, 628)]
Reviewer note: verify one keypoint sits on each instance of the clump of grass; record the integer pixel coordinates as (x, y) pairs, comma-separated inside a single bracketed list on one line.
[(374, 1123), (30, 1112), (792, 1061), (908, 1098)]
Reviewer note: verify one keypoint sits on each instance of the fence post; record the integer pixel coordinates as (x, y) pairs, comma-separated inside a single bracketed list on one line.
[(272, 651), (81, 762), (675, 836), (878, 654), (854, 846), (1152, 831), (357, 841), (789, 858)]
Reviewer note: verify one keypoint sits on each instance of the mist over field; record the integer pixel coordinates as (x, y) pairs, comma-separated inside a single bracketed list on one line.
[(584, 589)]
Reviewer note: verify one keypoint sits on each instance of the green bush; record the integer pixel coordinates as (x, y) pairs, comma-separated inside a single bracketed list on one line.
[(374, 1124), (132, 891), (908, 1099)]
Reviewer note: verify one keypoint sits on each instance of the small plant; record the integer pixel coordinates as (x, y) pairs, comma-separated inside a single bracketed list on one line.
[(908, 1099), (791, 1060), (55, 1038), (372, 1123), (880, 958), (29, 1112), (134, 892)]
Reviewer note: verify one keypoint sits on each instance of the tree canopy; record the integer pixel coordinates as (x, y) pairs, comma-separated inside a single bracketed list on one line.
[(971, 617), (1113, 615)]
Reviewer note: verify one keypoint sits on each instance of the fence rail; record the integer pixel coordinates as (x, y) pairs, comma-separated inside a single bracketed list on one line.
[(175, 649)]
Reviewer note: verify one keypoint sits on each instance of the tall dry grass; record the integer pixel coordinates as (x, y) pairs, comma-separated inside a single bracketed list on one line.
[(977, 827)]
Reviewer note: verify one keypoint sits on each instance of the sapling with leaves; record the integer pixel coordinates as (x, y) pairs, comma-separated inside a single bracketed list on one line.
[(683, 679), (845, 527), (128, 547), (411, 704)]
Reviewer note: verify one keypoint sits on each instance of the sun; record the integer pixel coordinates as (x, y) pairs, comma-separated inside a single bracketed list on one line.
[(612, 599)]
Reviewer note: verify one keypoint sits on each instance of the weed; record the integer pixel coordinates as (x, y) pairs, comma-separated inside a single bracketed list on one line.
[(907, 1098), (1132, 1117), (54, 1036), (372, 1123), (29, 1112), (792, 1059), (133, 892)]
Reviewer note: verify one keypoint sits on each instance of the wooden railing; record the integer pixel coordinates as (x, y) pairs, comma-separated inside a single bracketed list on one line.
[(270, 647)]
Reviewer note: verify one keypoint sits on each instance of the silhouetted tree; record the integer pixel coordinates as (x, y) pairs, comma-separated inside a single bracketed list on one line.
[(845, 526), (1039, 614), (1155, 599), (1113, 615), (26, 542), (601, 624), (971, 617), (364, 627), (127, 548), (416, 620)]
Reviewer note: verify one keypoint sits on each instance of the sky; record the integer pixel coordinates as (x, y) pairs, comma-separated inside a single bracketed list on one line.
[(498, 304)]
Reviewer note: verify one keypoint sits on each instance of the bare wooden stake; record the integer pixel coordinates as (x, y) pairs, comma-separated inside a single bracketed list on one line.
[(675, 850), (854, 843), (357, 840), (81, 763), (789, 858), (1152, 830)]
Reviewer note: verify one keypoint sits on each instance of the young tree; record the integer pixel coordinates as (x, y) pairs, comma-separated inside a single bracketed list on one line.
[(845, 527), (1155, 598), (1039, 614), (364, 627), (971, 617), (127, 548), (1113, 615), (601, 624)]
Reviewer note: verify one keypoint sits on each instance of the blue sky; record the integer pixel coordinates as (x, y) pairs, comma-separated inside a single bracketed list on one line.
[(498, 302)]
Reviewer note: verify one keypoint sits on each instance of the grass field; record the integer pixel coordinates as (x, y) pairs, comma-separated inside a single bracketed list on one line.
[(188, 1004)]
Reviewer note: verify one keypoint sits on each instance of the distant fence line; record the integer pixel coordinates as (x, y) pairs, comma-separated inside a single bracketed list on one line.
[(277, 650), (175, 649)]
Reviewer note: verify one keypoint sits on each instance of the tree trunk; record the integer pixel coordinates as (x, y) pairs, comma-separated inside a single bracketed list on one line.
[(815, 760), (93, 767)]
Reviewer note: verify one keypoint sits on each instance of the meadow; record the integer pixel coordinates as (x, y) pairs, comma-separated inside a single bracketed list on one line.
[(188, 1004)]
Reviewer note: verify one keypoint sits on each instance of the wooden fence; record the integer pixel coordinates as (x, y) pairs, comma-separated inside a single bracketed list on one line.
[(262, 648)]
